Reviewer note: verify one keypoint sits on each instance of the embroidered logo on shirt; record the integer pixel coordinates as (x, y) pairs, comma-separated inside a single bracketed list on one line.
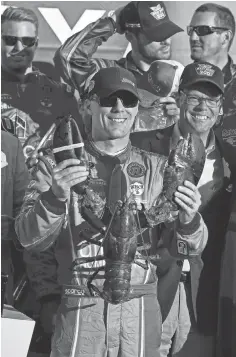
[(46, 102), (135, 169), (6, 97), (137, 188), (182, 247)]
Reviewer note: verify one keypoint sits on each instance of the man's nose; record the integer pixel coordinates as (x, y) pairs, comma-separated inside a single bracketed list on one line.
[(118, 107), (194, 36), (166, 42), (18, 46), (202, 105)]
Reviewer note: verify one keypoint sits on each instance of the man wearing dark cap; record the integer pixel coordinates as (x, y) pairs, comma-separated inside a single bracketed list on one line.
[(146, 26), (86, 324), (187, 293), (211, 33)]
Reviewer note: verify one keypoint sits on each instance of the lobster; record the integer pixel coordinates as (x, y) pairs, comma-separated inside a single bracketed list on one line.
[(120, 251), (68, 144), (185, 162)]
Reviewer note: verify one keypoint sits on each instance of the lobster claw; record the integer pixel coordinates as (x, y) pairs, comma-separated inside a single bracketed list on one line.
[(68, 144)]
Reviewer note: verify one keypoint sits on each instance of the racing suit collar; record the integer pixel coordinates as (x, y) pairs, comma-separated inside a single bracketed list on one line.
[(118, 159), (10, 77)]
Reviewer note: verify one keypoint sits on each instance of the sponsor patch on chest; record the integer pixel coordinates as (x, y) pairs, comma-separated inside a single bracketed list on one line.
[(135, 169)]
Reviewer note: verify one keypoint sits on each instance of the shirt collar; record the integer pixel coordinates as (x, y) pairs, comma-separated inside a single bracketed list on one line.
[(120, 158), (130, 64), (176, 135)]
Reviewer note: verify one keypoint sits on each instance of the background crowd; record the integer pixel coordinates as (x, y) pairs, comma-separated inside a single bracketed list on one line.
[(148, 99)]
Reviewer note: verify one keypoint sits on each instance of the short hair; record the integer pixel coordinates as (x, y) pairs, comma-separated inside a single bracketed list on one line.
[(224, 17), (20, 14)]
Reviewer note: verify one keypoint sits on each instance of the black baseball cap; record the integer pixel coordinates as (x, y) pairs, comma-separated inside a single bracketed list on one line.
[(151, 17), (202, 72), (110, 80), (158, 79)]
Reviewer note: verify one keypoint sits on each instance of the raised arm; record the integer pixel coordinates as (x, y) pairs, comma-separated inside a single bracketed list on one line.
[(74, 59)]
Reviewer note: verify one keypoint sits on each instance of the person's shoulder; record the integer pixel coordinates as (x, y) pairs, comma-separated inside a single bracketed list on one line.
[(141, 139), (48, 83), (145, 139)]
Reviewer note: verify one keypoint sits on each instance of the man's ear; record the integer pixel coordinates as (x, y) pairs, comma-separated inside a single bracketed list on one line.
[(37, 42), (227, 36), (130, 36)]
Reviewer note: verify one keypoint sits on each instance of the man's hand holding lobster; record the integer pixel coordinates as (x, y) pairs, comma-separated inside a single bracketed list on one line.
[(65, 175), (189, 200)]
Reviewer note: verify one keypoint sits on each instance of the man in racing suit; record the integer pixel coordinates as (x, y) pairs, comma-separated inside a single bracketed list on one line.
[(76, 64), (87, 325), (30, 101)]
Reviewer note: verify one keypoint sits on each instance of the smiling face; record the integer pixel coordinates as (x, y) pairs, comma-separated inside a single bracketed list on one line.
[(18, 58), (205, 48), (198, 118), (109, 123)]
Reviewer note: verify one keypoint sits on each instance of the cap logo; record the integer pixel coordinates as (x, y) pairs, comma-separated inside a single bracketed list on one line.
[(158, 12), (205, 70), (125, 80)]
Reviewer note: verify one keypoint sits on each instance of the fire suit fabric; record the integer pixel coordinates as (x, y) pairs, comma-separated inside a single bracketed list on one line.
[(88, 326), (33, 106)]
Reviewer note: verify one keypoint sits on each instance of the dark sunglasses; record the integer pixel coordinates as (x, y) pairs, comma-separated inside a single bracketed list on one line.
[(26, 41), (204, 30), (128, 100)]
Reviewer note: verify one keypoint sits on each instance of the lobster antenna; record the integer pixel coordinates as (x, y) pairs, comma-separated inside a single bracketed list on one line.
[(141, 234), (106, 234)]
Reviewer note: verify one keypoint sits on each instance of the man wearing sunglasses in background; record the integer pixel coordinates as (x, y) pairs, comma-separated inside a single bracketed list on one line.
[(30, 101), (211, 33), (147, 27), (86, 324)]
